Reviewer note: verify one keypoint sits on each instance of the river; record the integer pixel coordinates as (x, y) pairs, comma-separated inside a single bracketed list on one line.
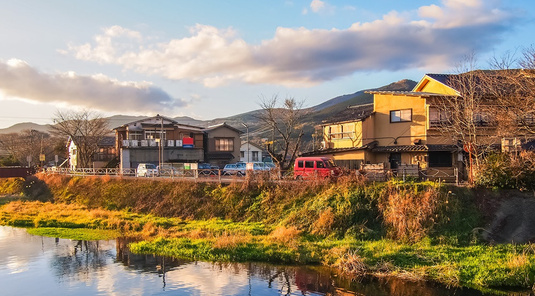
[(35, 265)]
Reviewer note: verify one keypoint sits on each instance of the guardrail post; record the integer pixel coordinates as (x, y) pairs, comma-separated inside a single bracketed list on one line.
[(456, 172)]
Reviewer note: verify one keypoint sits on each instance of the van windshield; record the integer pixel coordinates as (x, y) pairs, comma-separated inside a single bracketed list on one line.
[(150, 166)]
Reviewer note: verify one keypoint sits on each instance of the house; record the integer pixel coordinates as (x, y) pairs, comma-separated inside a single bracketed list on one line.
[(222, 144), (104, 154), (250, 152), (402, 128), (158, 139)]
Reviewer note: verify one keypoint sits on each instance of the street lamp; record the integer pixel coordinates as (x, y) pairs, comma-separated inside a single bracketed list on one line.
[(247, 128)]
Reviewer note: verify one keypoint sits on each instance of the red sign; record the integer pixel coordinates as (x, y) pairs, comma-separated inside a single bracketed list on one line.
[(187, 142)]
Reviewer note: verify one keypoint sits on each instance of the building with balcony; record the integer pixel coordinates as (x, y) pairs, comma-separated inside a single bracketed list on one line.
[(406, 128), (158, 139)]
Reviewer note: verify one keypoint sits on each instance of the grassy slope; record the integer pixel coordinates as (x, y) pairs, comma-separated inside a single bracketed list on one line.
[(347, 225)]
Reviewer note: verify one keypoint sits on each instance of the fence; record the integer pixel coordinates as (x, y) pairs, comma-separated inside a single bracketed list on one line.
[(379, 173), (373, 172)]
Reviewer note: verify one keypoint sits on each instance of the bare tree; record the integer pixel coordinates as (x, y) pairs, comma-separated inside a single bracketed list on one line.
[(27, 143), (286, 124), (85, 128), (469, 117), (514, 90)]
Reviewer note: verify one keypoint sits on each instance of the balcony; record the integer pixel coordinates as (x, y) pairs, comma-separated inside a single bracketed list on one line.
[(150, 143)]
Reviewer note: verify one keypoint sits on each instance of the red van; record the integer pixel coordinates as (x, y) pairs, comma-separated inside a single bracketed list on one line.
[(319, 167)]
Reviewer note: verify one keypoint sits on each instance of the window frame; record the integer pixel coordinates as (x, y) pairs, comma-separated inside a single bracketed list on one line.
[(400, 115), (224, 144)]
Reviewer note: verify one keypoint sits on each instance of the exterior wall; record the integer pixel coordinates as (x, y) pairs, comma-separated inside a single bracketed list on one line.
[(403, 133), (223, 132), (344, 135), (252, 148), (130, 158), (73, 155)]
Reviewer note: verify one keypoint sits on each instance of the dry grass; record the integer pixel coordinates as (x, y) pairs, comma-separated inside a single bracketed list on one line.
[(409, 215), (288, 236), (230, 241), (352, 264), (324, 224)]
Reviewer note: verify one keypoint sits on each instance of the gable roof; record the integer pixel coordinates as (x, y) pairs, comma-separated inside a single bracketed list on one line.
[(225, 125), (146, 122)]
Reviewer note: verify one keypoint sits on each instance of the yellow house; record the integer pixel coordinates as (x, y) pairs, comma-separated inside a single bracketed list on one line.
[(398, 128)]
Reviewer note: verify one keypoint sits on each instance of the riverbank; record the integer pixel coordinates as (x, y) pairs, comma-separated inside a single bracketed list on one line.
[(418, 231)]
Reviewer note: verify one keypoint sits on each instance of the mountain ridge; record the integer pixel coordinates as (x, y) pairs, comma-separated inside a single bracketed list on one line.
[(317, 113)]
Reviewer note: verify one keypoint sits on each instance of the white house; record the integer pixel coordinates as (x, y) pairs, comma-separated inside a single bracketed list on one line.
[(250, 152)]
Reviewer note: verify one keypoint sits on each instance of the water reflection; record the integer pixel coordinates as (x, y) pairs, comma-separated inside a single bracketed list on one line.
[(33, 265)]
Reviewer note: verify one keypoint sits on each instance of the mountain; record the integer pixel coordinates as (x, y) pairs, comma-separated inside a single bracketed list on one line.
[(315, 116), (19, 127)]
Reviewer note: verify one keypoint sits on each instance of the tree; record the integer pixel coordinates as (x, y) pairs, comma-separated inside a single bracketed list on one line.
[(515, 93), (30, 143), (469, 117), (85, 129), (287, 128)]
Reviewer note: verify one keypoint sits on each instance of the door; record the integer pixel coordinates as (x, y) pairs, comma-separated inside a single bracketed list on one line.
[(395, 160)]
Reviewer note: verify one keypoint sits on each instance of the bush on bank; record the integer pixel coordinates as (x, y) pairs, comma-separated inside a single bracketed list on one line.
[(348, 208)]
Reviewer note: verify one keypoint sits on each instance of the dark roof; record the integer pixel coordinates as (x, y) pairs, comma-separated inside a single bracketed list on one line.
[(415, 148), (351, 113), (224, 124), (107, 141), (408, 93), (338, 150)]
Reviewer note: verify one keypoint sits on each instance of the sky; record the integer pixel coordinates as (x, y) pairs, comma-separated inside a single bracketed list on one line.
[(218, 58)]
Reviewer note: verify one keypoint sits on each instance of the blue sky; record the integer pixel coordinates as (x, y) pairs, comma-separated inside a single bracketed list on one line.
[(210, 59)]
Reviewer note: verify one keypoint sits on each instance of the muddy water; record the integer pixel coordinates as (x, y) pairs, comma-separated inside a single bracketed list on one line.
[(34, 265)]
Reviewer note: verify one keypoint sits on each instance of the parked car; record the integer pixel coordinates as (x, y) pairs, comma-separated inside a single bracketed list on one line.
[(168, 170), (315, 167), (146, 170), (205, 169), (237, 169)]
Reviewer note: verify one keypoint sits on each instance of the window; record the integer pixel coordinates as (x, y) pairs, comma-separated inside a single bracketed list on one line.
[(320, 164), (150, 135), (438, 117), (242, 154), (440, 159), (401, 115), (309, 164), (255, 155), (224, 144), (300, 164), (135, 135), (482, 119)]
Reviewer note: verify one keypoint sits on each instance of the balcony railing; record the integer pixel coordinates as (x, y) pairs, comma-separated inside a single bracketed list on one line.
[(150, 143)]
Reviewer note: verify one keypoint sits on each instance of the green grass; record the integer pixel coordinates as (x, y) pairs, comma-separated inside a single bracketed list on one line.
[(342, 225), (76, 233)]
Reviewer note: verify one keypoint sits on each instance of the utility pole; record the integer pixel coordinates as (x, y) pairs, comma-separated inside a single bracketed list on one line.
[(247, 129)]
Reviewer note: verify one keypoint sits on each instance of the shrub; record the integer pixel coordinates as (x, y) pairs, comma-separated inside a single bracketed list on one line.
[(513, 171)]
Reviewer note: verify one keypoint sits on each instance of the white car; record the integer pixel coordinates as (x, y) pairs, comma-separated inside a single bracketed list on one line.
[(146, 170)]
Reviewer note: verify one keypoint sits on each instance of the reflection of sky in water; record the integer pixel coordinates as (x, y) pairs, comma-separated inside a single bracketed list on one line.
[(33, 265)]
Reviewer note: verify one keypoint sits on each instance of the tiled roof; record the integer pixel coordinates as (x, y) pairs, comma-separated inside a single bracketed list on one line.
[(351, 113), (338, 150), (414, 148), (407, 93)]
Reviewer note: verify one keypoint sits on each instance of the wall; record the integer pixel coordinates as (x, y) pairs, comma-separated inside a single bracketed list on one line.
[(403, 133)]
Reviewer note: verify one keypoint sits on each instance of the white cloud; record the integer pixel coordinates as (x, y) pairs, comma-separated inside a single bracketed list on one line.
[(317, 5), (20, 80), (436, 38)]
